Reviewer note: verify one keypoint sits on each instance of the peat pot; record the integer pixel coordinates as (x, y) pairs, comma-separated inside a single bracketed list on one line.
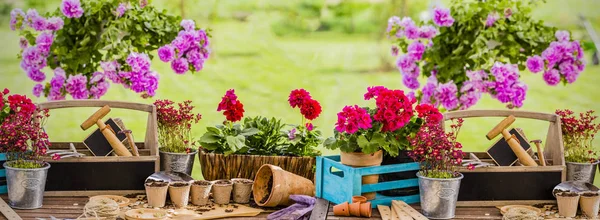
[(359, 159), (177, 162), (581, 171), (26, 186), (438, 196)]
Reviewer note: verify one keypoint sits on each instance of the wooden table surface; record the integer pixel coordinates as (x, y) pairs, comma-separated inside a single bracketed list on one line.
[(72, 207)]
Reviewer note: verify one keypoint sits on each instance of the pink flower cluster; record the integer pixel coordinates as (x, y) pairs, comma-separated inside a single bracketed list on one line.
[(352, 118), (188, 50), (394, 108), (232, 108), (309, 108), (561, 61)]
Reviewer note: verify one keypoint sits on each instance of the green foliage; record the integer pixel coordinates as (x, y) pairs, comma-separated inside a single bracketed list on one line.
[(303, 142), (269, 136), (24, 160), (227, 139), (438, 174), (372, 140)]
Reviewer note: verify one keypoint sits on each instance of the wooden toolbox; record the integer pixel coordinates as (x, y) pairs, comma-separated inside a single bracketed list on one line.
[(510, 185), (93, 175)]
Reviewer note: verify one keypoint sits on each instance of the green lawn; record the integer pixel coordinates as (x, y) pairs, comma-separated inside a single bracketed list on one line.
[(263, 68)]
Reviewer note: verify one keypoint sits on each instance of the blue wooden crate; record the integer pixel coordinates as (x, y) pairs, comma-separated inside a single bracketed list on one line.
[(3, 188), (341, 184)]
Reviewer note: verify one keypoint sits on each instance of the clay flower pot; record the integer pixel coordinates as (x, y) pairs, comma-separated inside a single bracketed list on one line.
[(590, 203), (200, 192), (567, 204), (359, 159), (156, 192), (179, 193), (356, 199), (354, 209), (365, 209), (242, 188), (273, 186), (222, 191), (341, 209)]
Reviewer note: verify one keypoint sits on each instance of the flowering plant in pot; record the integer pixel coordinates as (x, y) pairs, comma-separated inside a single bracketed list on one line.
[(439, 153), (479, 47), (90, 45), (303, 139), (24, 142), (175, 121), (362, 134), (578, 135)]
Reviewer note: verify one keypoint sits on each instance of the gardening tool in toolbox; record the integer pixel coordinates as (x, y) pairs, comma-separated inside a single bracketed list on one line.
[(108, 133), (512, 141)]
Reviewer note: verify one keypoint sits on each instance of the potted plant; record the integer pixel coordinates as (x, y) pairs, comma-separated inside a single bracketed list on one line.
[(303, 139), (176, 149), (362, 134), (439, 153), (24, 141), (578, 135)]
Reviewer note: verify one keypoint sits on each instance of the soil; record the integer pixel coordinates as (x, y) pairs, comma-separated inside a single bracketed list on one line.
[(228, 210), (156, 184), (223, 182), (269, 187), (243, 181), (589, 194), (568, 194), (201, 183), (179, 184)]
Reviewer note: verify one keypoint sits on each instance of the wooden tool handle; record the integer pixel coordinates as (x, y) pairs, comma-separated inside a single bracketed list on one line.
[(540, 154), (115, 143), (500, 127), (523, 156), (95, 117), (132, 144)]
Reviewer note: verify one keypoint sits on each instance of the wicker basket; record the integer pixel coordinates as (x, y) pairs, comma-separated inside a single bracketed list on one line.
[(218, 166)]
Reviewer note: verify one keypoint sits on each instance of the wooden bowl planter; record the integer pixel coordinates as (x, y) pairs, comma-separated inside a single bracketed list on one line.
[(93, 175), (218, 166)]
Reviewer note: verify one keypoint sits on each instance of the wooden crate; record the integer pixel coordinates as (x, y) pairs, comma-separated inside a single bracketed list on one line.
[(3, 188), (492, 186), (93, 175), (337, 182)]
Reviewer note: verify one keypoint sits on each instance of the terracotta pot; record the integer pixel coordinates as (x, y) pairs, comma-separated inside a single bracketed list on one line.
[(242, 188), (590, 203), (360, 159), (354, 209), (567, 204), (365, 209), (179, 193), (356, 199), (273, 186), (156, 193), (222, 191), (200, 192), (341, 209)]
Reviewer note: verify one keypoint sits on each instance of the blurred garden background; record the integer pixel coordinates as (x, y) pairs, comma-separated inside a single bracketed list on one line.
[(334, 49)]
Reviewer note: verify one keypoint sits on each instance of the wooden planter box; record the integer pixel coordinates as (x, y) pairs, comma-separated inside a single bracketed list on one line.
[(510, 185), (219, 166), (93, 175)]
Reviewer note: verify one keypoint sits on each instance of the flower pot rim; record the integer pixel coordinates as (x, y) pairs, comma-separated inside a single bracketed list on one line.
[(204, 151), (187, 184), (439, 179), (205, 181), (194, 152), (215, 182), (45, 167), (236, 181), (356, 153), (576, 163)]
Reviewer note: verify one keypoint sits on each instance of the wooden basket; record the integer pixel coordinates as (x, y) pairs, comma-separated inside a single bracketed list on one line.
[(93, 175), (219, 166), (511, 185)]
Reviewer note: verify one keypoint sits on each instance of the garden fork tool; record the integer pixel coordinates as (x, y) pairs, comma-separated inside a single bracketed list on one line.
[(512, 141), (108, 132)]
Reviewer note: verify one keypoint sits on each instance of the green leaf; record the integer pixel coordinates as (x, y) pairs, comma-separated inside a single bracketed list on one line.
[(235, 143), (362, 142), (209, 137), (250, 131)]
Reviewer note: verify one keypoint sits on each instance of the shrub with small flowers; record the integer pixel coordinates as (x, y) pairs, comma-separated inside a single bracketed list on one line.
[(175, 125), (21, 135), (578, 135), (385, 127), (479, 47), (90, 45)]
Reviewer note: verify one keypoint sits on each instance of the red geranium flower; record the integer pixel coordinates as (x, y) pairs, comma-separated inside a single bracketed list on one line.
[(298, 97), (235, 112), (310, 109)]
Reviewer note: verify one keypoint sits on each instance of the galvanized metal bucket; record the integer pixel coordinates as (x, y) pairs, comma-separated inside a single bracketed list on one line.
[(438, 196), (581, 171), (26, 186), (177, 162)]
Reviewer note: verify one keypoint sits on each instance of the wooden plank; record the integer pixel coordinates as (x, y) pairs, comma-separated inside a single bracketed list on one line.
[(107, 159), (386, 213), (8, 212), (399, 213), (409, 210), (319, 212), (501, 203), (500, 113), (92, 193), (95, 103), (512, 169)]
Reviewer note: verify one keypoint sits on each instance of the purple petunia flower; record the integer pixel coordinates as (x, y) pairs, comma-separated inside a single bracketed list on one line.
[(394, 20), (56, 85), (71, 8), (442, 17), (406, 64), (17, 18), (429, 91), (188, 25), (23, 43), (30, 16), (121, 9), (292, 134), (562, 35), (427, 31), (180, 66), (535, 64), (36, 75), (37, 90), (110, 71), (39, 23), (143, 3), (491, 19), (411, 31), (551, 55), (469, 99), (203, 38), (166, 53), (77, 86), (410, 82), (577, 50), (446, 94), (519, 93), (395, 50), (139, 62), (32, 58), (552, 77), (508, 12), (44, 42), (416, 50), (195, 58), (54, 24), (99, 89)]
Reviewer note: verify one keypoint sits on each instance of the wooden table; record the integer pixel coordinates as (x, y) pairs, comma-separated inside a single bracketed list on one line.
[(72, 207)]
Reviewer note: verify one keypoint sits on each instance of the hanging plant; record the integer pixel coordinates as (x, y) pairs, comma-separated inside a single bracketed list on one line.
[(90, 44), (481, 47)]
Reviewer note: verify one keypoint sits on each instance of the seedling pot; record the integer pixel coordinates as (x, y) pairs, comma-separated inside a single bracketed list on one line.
[(242, 189), (200, 192), (222, 191), (179, 193)]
